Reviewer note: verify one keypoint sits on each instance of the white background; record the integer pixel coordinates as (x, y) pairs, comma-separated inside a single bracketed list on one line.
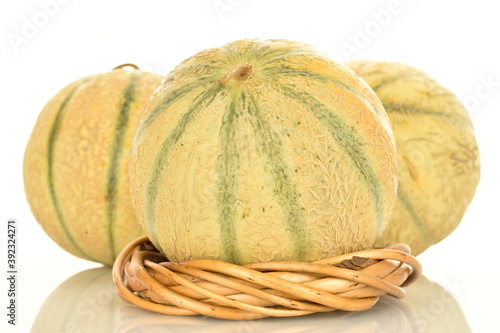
[(456, 42)]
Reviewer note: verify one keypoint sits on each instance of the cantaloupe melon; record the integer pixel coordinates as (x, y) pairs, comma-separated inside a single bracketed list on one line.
[(76, 163), (438, 156), (263, 150)]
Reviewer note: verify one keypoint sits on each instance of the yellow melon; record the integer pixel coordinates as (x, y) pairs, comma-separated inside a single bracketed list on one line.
[(263, 150), (438, 158), (76, 163)]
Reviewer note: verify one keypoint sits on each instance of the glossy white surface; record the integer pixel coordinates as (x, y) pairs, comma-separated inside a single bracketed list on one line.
[(86, 302), (455, 42)]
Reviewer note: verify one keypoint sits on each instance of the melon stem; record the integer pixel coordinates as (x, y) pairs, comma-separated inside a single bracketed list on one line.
[(240, 73), (126, 65)]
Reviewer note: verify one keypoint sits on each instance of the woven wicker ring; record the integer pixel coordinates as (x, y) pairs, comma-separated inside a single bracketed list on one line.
[(350, 282)]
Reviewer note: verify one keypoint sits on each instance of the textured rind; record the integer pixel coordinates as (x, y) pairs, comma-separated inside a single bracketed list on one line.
[(81, 158), (438, 157), (251, 159)]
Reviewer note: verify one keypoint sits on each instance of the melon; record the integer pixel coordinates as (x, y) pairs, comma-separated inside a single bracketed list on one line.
[(438, 157), (76, 163), (262, 150)]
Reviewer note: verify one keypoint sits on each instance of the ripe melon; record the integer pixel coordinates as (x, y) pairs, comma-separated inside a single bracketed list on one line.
[(438, 156), (76, 163), (263, 150)]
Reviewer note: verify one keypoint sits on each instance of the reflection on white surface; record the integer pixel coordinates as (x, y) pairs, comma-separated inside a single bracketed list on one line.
[(87, 302), (434, 308), (386, 316)]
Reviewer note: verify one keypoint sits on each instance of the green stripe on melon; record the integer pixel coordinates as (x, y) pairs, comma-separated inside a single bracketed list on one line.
[(281, 173), (117, 150), (263, 150), (349, 141), (161, 158), (50, 174)]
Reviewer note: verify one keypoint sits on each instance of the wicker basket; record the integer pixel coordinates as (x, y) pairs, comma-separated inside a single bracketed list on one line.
[(350, 282)]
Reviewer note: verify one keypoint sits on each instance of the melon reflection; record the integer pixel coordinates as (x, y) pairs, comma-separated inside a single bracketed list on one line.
[(434, 309), (427, 308), (387, 316), (85, 302)]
